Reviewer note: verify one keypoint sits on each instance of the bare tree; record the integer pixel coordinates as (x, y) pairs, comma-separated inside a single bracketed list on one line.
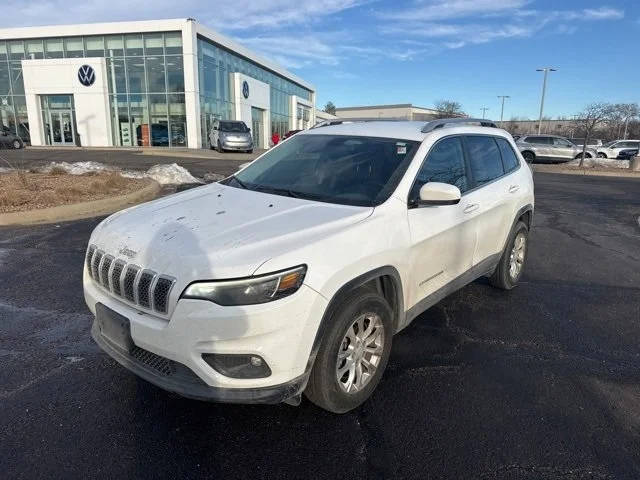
[(628, 112), (593, 115), (448, 108)]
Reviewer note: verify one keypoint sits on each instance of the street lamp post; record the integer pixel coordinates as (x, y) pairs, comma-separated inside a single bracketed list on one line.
[(546, 70), (484, 111), (502, 109)]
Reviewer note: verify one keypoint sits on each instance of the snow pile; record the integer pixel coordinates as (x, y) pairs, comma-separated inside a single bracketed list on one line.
[(172, 174), (600, 162), (77, 168), (213, 177)]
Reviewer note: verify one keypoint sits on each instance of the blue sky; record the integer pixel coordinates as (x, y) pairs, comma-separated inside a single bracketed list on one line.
[(360, 52)]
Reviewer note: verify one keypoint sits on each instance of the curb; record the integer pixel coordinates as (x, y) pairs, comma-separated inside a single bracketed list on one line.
[(78, 211), (589, 172)]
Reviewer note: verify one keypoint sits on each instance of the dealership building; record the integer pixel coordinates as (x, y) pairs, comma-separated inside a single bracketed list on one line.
[(142, 84)]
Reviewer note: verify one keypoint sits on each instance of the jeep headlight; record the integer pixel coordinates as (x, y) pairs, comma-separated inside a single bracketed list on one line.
[(249, 290)]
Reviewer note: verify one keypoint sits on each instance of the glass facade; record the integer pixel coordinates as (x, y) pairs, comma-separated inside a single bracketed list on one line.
[(145, 75), (215, 66), (146, 84)]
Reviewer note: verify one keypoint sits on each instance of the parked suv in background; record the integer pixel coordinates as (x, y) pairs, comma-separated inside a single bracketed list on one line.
[(231, 135), (593, 142), (613, 149), (9, 140), (294, 274), (549, 148)]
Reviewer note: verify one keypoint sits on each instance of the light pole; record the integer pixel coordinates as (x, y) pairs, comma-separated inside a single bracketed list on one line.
[(546, 70), (484, 111), (502, 109)]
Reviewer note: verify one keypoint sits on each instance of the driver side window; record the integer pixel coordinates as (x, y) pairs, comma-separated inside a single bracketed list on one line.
[(445, 164)]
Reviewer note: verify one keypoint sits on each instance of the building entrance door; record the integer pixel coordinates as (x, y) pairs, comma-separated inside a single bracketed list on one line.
[(257, 126), (61, 128), (59, 121)]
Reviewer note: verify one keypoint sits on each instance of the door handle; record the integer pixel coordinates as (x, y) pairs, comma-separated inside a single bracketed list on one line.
[(471, 208), (514, 188)]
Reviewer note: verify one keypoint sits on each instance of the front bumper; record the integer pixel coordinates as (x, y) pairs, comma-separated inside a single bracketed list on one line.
[(237, 145), (281, 332), (175, 377)]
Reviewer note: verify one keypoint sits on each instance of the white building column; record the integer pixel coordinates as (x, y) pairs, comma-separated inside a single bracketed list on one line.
[(191, 84)]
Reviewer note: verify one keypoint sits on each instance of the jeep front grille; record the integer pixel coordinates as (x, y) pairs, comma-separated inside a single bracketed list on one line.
[(144, 288)]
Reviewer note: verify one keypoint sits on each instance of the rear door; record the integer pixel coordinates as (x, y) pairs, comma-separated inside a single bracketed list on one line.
[(442, 237), (490, 196)]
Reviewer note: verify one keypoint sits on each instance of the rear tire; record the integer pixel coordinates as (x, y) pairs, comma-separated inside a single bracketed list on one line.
[(219, 149), (353, 353), (17, 144), (509, 269)]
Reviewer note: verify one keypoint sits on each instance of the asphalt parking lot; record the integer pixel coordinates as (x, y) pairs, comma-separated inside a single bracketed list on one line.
[(539, 382)]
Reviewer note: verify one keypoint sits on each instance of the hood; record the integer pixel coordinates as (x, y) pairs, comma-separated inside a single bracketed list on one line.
[(215, 231)]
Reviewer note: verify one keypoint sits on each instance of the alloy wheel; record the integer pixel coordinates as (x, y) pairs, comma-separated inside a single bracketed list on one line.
[(16, 144), (360, 353), (516, 259)]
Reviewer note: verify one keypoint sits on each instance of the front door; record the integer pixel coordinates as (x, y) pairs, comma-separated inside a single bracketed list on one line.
[(443, 238)]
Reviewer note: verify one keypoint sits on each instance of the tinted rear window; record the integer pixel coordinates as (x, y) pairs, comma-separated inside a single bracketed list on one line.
[(542, 140), (509, 158), (486, 162)]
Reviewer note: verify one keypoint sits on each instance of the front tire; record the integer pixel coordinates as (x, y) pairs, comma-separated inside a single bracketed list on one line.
[(17, 144), (353, 353), (602, 155), (220, 150), (509, 269)]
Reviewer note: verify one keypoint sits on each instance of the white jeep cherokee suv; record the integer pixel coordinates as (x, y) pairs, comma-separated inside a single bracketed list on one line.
[(294, 274)]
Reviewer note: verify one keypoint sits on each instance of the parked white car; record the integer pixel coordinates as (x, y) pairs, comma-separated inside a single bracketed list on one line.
[(294, 274), (613, 149)]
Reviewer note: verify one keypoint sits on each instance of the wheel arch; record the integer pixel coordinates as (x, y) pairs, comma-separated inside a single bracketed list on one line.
[(524, 214), (385, 280)]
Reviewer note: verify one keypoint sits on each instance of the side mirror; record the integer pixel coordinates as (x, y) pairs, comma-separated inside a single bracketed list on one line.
[(436, 193)]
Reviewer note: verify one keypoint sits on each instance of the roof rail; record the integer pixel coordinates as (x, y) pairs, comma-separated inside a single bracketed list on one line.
[(340, 121), (442, 122)]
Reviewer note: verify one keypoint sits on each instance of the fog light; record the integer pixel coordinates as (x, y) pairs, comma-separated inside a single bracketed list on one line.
[(238, 366)]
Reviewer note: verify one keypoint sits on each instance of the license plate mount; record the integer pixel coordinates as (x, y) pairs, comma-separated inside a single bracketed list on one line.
[(114, 327)]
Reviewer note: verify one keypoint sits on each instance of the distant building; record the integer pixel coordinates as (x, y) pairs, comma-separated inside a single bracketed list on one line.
[(403, 111), (564, 128)]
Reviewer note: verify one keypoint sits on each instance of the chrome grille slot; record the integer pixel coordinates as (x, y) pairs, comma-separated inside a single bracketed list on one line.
[(116, 275), (90, 251), (129, 283), (107, 260), (161, 293), (144, 288), (95, 264)]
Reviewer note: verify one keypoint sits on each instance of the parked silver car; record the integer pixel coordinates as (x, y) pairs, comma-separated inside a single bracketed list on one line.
[(550, 148), (8, 139), (231, 135)]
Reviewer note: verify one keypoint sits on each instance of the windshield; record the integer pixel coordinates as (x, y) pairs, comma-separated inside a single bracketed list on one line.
[(238, 127), (360, 171)]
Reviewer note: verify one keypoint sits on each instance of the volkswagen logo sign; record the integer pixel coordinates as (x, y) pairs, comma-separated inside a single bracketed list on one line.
[(245, 89), (86, 75)]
